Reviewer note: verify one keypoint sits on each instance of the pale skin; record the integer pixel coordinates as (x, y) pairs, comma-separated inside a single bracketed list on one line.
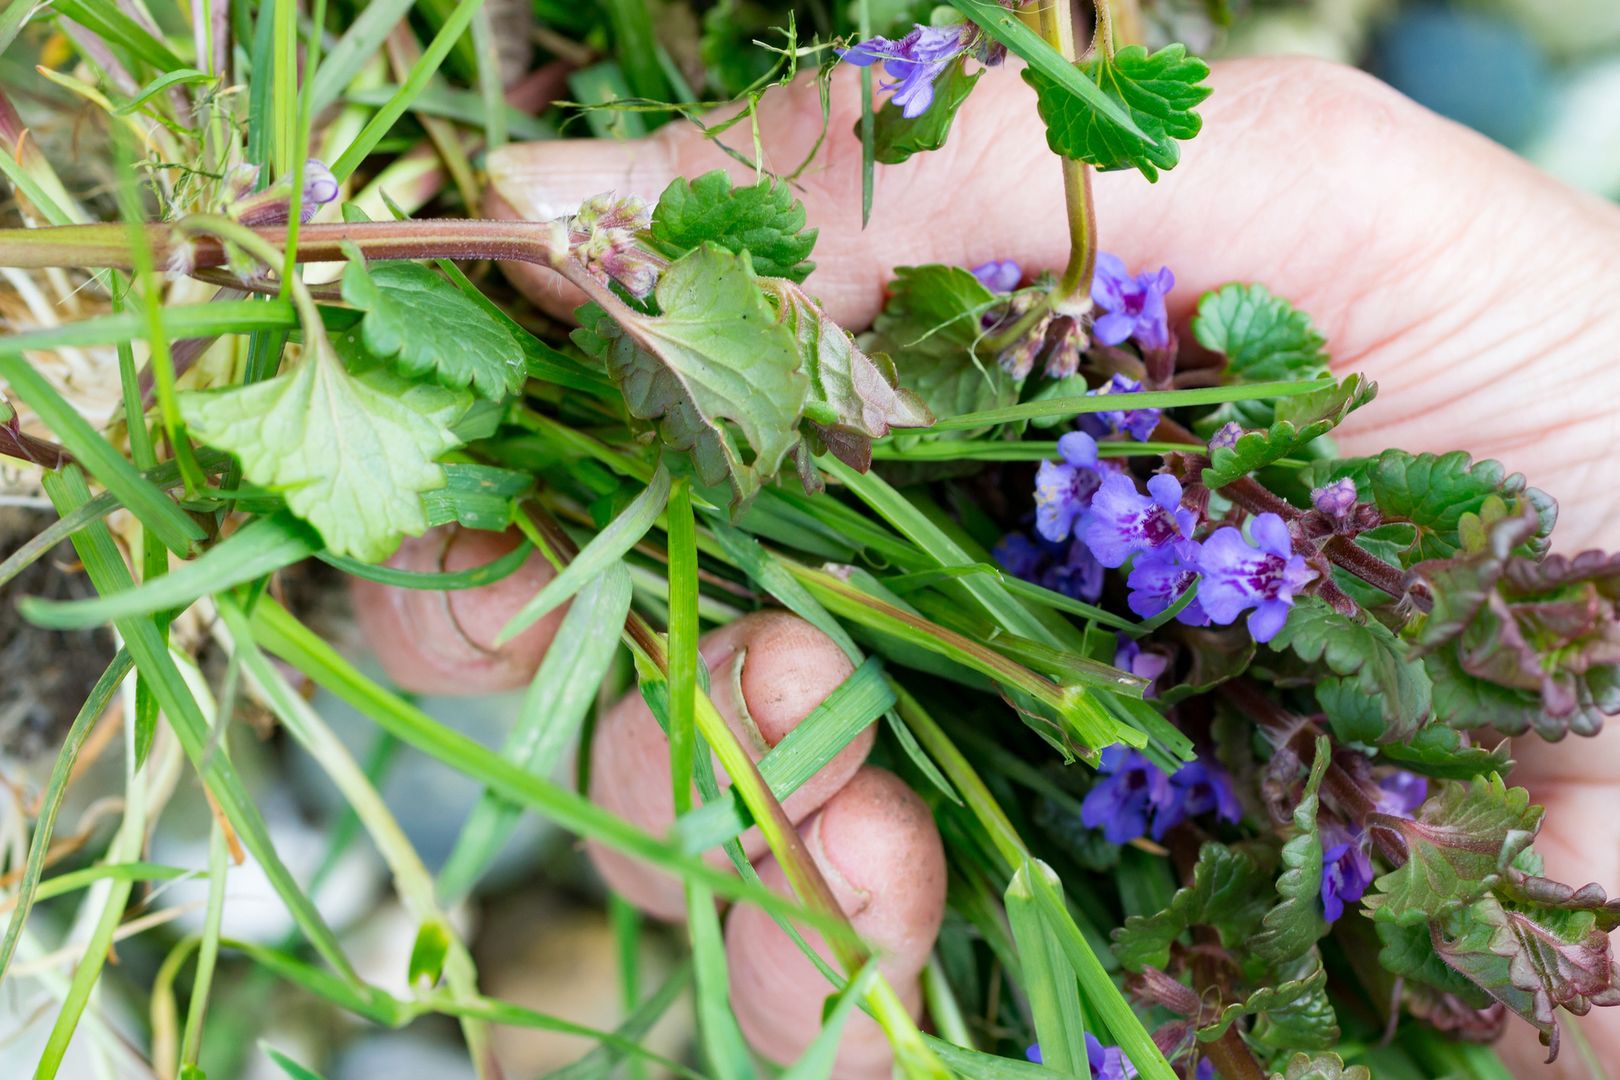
[(1478, 292)]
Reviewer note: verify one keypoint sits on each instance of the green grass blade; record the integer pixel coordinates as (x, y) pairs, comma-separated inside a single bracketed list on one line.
[(1064, 408), (207, 949), (28, 889), (552, 714), (152, 659), (1101, 997), (851, 708), (635, 47), (490, 89), (816, 1063), (261, 547), (599, 1063), (359, 44), (62, 884), (1007, 28), (117, 29), (277, 631), (287, 1065), (474, 577), (420, 75), (1049, 983), (154, 509), (189, 321), (607, 548)]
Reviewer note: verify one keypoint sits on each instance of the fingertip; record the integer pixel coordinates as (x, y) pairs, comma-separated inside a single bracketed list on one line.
[(876, 844), (433, 642)]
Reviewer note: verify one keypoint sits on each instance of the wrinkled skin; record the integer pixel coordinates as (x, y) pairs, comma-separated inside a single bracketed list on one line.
[(1479, 293)]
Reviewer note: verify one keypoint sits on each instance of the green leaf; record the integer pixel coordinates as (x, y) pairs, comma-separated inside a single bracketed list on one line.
[(1532, 959), (1320, 1067), (1264, 338), (288, 1065), (261, 547), (1459, 846), (849, 391), (1047, 977), (423, 325), (897, 138), (1300, 420), (1158, 91), (1228, 892), (350, 459), (930, 327), (1295, 925), (1435, 492), (717, 354), (1381, 664), (432, 945), (763, 219), (1408, 951), (1295, 1008), (476, 496), (1438, 751)]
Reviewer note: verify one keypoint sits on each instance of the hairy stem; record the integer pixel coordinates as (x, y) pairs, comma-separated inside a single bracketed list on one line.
[(1056, 28)]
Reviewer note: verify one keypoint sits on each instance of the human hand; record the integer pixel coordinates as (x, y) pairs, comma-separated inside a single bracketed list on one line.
[(1435, 262)]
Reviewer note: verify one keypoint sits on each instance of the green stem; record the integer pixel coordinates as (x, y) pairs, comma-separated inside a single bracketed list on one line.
[(1056, 28)]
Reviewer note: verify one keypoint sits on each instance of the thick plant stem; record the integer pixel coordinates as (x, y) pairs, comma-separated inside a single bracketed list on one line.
[(1073, 288)]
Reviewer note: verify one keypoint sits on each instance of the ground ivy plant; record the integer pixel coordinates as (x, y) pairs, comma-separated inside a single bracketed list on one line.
[(1208, 711)]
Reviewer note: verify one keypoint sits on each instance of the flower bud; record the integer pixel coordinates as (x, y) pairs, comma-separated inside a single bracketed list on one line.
[(605, 236)]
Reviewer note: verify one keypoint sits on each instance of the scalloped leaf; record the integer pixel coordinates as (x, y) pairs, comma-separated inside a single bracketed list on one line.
[(1295, 925), (421, 324), (1264, 339), (1294, 1010), (1458, 847), (1381, 664), (930, 328), (1438, 751), (1435, 492), (1159, 91), (1228, 893), (716, 364), (1300, 421), (763, 219), (1532, 959)]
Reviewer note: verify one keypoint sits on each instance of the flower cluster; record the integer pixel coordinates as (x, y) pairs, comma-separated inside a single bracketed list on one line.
[(605, 236), (1133, 798), (915, 62), (1132, 307), (1347, 868), (270, 206), (1066, 568)]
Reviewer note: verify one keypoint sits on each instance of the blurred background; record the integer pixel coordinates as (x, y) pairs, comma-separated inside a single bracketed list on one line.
[(1539, 76)]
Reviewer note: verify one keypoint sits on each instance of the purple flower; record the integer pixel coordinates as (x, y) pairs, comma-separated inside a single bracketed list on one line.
[(1066, 567), (1032, 1052), (1123, 521), (1139, 423), (320, 188), (1064, 490), (1335, 500), (1205, 1071), (1133, 306), (1237, 576), (1227, 435), (1129, 656), (913, 62), (1131, 790), (1159, 577), (1400, 793), (999, 275), (1346, 869), (1107, 1062), (1198, 787)]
